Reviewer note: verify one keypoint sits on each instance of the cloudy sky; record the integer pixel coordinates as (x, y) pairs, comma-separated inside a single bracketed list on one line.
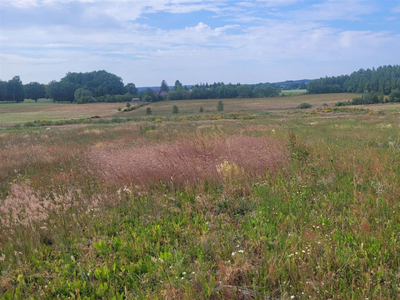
[(146, 41)]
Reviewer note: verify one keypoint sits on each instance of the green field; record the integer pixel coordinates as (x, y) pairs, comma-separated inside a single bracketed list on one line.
[(287, 204), (293, 92)]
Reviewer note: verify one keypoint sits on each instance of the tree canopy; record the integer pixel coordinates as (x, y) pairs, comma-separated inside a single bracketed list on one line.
[(34, 91), (164, 86), (381, 80), (98, 83), (12, 90)]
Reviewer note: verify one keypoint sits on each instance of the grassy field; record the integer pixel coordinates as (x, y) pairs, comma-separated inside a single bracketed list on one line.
[(293, 92), (287, 205), (47, 110), (28, 112)]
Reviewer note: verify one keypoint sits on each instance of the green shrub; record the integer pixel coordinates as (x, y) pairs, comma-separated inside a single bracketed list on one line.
[(394, 96), (201, 109), (304, 105), (175, 109), (220, 106), (148, 111)]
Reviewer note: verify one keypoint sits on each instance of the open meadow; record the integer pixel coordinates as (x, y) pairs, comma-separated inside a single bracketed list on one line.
[(261, 201), (47, 110)]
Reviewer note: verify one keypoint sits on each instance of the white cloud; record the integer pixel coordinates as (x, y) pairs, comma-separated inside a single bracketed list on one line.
[(10, 58), (20, 3), (335, 10), (396, 9)]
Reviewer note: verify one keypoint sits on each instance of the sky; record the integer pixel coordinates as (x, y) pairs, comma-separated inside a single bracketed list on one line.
[(231, 41)]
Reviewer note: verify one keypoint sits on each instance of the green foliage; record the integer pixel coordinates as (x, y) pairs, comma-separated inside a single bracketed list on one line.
[(12, 90), (148, 111), (119, 109), (34, 91), (220, 106), (164, 86), (381, 80), (114, 98), (82, 95), (175, 109), (201, 109), (62, 91), (394, 96), (304, 105), (128, 104), (99, 83), (178, 86), (131, 89)]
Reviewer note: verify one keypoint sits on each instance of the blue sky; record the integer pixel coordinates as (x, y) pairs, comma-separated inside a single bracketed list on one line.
[(146, 41)]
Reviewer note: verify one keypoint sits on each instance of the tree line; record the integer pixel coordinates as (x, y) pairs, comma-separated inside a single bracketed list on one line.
[(382, 80), (74, 87), (216, 90), (102, 86)]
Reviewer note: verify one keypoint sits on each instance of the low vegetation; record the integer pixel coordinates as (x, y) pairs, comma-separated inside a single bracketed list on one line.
[(304, 105), (294, 204)]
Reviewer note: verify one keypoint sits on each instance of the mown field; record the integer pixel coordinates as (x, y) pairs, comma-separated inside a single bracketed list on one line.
[(288, 204)]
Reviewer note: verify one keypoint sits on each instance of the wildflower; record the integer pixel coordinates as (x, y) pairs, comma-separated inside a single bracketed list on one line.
[(127, 190), (241, 251)]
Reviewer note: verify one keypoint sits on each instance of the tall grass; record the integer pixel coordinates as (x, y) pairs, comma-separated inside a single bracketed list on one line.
[(191, 160), (289, 208)]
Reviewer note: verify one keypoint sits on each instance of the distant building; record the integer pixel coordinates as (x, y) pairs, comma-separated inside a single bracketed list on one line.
[(135, 100)]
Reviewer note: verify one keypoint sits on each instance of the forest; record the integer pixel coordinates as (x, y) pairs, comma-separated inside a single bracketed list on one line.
[(382, 80)]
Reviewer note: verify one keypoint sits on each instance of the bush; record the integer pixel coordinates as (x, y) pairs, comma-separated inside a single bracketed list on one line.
[(175, 109), (220, 106), (119, 108), (201, 109), (148, 111), (304, 105), (342, 103), (128, 105)]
